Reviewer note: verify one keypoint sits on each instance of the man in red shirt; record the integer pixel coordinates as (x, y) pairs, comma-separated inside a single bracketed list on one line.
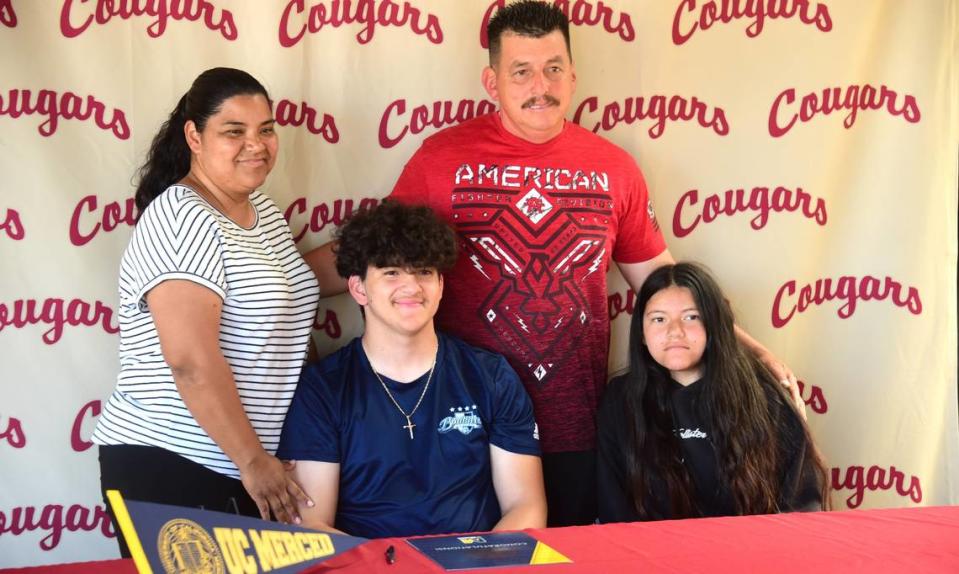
[(542, 207)]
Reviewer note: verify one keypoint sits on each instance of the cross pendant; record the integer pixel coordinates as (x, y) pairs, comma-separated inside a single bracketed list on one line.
[(409, 425)]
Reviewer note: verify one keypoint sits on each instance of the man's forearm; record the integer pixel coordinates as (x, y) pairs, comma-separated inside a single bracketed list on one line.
[(778, 368), (318, 524), (322, 261), (527, 515), (751, 344)]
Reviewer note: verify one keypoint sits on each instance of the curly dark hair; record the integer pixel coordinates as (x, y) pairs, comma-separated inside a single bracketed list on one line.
[(530, 18), (393, 235)]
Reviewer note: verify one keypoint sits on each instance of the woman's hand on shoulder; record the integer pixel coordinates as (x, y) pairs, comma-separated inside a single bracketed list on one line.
[(266, 479)]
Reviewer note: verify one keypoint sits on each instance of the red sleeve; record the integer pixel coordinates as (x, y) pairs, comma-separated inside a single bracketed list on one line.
[(638, 237)]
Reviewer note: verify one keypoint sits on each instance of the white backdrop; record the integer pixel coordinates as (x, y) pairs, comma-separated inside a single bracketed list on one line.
[(807, 153)]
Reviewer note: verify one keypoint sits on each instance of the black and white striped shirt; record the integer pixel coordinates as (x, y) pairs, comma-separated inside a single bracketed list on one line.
[(269, 297)]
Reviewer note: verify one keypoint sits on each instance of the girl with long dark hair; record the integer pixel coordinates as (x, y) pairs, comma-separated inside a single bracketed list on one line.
[(698, 427), (216, 309)]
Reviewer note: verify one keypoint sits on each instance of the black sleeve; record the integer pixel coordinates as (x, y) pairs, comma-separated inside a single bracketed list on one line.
[(801, 489), (615, 503)]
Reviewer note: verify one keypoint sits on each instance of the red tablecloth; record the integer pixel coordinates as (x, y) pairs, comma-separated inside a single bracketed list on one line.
[(874, 541)]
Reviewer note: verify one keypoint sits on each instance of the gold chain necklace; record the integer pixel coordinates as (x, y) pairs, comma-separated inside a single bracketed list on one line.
[(201, 190), (204, 192), (409, 423)]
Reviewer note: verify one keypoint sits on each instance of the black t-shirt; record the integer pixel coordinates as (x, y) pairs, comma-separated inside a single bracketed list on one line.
[(800, 487)]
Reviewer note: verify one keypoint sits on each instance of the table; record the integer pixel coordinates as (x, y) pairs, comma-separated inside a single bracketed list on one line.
[(874, 541)]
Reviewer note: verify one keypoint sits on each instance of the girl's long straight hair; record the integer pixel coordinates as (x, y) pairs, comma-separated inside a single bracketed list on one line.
[(745, 426)]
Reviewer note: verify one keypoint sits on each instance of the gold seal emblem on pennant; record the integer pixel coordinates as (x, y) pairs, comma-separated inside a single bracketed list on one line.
[(185, 547)]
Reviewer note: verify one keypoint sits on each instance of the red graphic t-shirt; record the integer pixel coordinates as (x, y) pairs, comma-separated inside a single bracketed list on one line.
[(538, 225)]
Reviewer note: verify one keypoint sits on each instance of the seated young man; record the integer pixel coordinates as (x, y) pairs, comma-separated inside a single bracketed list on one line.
[(407, 431)]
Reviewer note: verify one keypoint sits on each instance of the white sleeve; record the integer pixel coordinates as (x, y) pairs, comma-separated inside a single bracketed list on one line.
[(176, 238)]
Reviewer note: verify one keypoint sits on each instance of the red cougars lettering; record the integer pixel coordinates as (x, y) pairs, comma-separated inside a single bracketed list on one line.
[(57, 313), (858, 479), (52, 519), (619, 303), (658, 108), (579, 13), (291, 114), (757, 11), (436, 115), (73, 23), (68, 106), (14, 434), (322, 214), (761, 199), (77, 442), (848, 289), (370, 13), (12, 226), (829, 100), (113, 215), (814, 397), (330, 324), (7, 15)]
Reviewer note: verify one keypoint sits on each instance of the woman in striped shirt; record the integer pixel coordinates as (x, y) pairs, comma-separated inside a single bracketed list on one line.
[(216, 308)]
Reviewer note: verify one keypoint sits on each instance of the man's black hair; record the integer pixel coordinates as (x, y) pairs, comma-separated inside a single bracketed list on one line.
[(530, 18), (394, 235)]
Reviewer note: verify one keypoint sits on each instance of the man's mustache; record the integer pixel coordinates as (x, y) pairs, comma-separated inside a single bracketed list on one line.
[(545, 99)]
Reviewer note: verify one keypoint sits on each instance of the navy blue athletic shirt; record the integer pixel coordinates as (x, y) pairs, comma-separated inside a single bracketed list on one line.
[(440, 481)]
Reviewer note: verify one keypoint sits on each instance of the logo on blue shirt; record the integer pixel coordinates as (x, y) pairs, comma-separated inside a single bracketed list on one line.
[(463, 419)]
